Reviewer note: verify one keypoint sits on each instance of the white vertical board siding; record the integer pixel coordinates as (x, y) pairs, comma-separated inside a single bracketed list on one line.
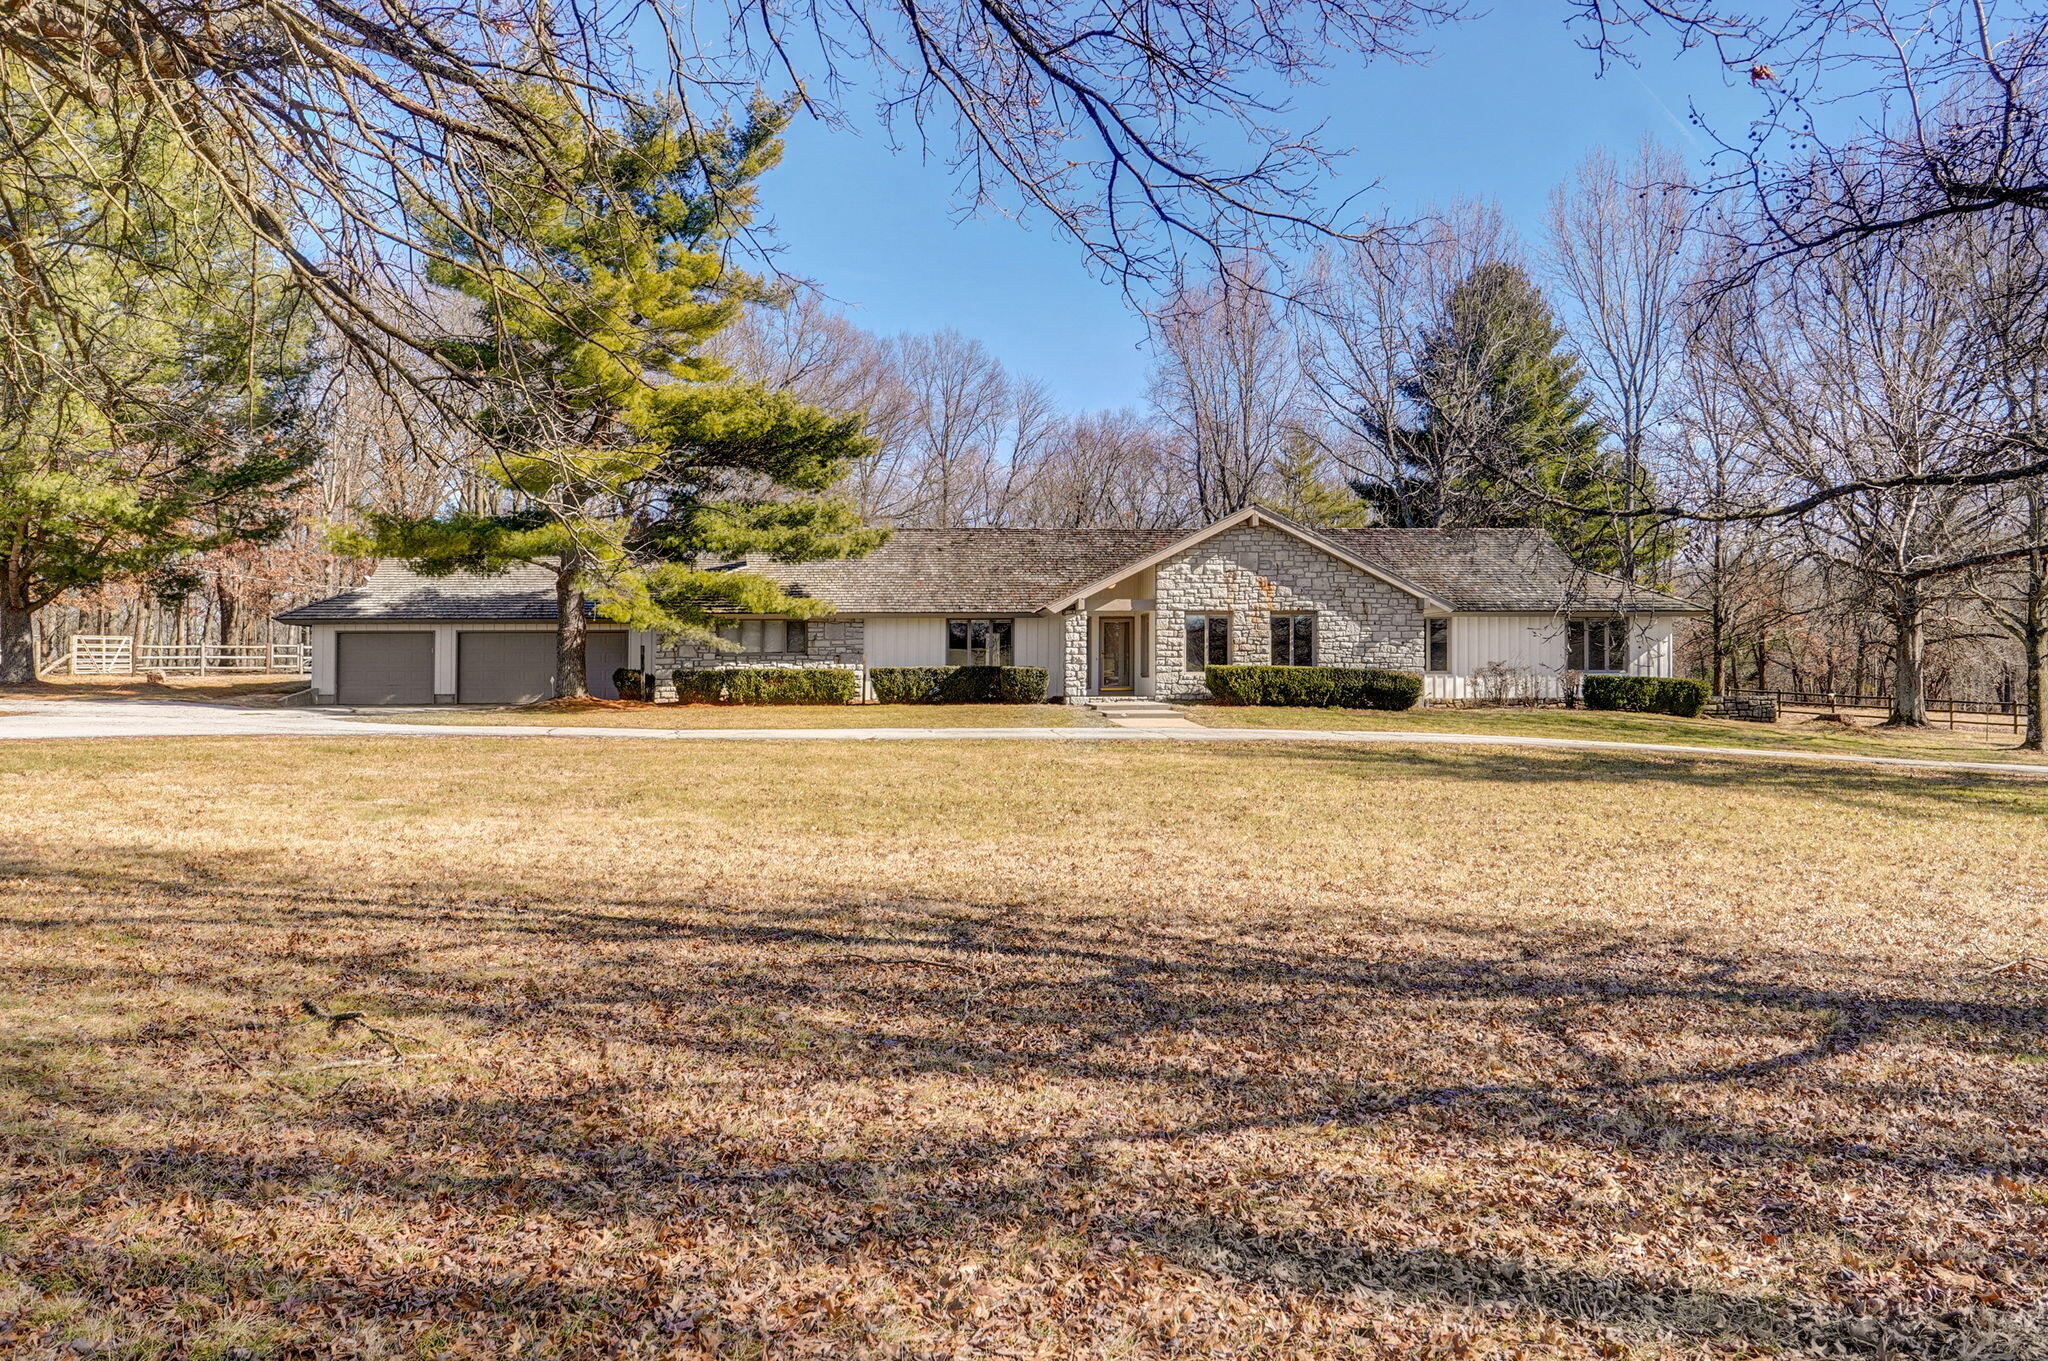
[(1040, 640), (322, 638), (1653, 648), (1534, 645), (918, 640)]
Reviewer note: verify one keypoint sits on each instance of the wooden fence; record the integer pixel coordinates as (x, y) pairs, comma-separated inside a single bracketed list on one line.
[(99, 654), (1955, 713)]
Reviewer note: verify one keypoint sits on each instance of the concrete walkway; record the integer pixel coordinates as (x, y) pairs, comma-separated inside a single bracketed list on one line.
[(70, 718)]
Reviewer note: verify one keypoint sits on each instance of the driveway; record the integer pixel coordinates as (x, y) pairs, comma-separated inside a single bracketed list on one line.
[(24, 719)]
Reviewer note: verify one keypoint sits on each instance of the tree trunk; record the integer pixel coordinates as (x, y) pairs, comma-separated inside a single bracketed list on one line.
[(571, 630), (2034, 647), (1909, 656), (17, 644), (225, 607)]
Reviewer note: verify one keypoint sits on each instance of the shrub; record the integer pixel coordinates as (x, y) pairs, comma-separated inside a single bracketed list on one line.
[(958, 684), (1645, 695), (1314, 687), (766, 685), (633, 684)]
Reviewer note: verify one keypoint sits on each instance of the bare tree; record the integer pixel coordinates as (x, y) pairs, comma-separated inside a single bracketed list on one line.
[(813, 351), (1863, 370), (1617, 250), (1227, 385), (1104, 468), (1879, 119), (1744, 572), (1369, 305)]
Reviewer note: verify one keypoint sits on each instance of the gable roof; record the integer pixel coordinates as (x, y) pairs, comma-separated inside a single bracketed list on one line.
[(395, 591), (1028, 571), (1006, 571), (1250, 515)]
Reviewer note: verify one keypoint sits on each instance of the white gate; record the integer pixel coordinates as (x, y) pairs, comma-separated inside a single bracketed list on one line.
[(102, 654)]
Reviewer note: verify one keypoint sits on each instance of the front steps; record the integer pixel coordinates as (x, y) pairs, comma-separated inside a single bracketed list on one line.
[(1127, 711)]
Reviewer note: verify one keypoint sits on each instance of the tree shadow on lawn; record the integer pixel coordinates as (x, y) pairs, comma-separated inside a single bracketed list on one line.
[(1901, 791), (1652, 1055)]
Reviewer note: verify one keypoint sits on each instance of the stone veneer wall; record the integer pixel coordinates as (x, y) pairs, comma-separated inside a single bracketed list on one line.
[(1074, 654), (1253, 571), (832, 642)]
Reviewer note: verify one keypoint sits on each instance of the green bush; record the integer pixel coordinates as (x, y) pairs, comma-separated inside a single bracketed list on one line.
[(1314, 687), (633, 684), (766, 685), (1645, 695), (958, 684)]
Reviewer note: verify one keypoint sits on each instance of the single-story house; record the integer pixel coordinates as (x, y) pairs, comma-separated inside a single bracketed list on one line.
[(1481, 613)]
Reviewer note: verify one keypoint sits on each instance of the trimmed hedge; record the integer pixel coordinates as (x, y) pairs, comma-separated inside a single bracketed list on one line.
[(633, 684), (1314, 687), (766, 685), (958, 684), (1645, 695)]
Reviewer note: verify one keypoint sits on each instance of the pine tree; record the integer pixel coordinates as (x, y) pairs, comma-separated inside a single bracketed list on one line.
[(622, 454), (1501, 425), (1305, 493), (172, 421)]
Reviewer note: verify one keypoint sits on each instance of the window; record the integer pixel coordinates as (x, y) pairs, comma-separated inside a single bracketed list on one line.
[(766, 635), (1439, 639), (1208, 640), (980, 642), (1294, 640), (1596, 645)]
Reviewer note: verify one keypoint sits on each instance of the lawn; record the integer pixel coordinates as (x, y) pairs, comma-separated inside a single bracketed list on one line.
[(1794, 735), (571, 714), (243, 687), (939, 1051)]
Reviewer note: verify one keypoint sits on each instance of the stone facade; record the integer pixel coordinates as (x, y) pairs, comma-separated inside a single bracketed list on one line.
[(1074, 653), (831, 642), (1251, 573)]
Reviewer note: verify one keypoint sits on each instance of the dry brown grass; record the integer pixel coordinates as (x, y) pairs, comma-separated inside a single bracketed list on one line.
[(619, 714), (1794, 733), (236, 687), (979, 1050)]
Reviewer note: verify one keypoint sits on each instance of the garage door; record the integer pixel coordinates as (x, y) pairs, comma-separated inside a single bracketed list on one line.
[(384, 668), (504, 668), (603, 654)]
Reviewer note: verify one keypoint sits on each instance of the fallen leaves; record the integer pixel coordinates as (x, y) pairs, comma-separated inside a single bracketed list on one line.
[(866, 1054)]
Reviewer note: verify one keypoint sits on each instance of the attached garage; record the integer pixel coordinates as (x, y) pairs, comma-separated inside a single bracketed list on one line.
[(380, 667), (604, 652), (504, 667), (401, 638)]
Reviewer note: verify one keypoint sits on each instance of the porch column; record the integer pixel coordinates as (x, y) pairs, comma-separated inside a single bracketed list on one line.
[(1074, 653)]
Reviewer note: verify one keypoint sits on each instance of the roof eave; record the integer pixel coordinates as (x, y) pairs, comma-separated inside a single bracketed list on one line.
[(1250, 515)]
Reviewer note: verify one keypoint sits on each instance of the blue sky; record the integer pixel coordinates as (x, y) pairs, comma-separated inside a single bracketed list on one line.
[(1506, 108)]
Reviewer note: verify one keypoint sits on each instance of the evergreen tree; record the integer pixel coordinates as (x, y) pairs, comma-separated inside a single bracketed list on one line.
[(1500, 424), (153, 373), (1303, 491), (621, 454)]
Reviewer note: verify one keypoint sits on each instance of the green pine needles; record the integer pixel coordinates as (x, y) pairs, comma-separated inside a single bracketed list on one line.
[(620, 453)]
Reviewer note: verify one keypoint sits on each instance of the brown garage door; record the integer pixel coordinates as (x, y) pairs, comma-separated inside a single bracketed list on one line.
[(504, 668), (603, 654), (384, 668)]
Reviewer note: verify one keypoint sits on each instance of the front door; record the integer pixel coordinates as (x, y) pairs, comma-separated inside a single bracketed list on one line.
[(1116, 638)]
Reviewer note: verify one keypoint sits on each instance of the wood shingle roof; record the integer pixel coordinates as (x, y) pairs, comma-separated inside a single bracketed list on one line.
[(1023, 571)]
